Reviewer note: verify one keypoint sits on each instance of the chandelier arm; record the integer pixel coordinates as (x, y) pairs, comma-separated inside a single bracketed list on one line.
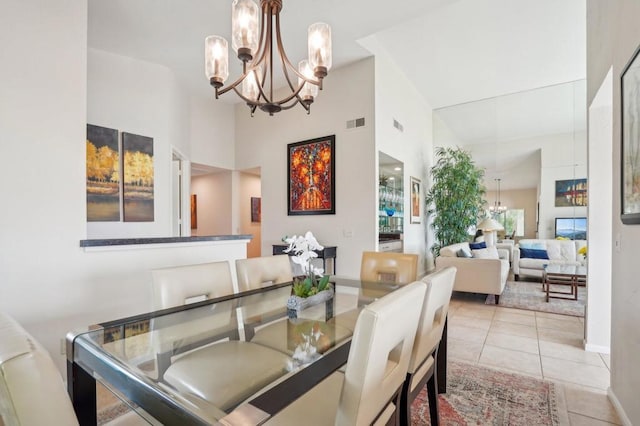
[(285, 59)]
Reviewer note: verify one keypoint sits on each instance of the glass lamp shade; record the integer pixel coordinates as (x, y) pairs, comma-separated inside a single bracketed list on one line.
[(216, 53), (309, 91), (245, 20), (319, 43), (250, 89)]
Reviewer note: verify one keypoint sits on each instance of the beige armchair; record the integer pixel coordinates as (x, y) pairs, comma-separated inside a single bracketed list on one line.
[(488, 276), (368, 392)]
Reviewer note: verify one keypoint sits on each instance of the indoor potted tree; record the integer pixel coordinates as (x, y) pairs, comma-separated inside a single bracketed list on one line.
[(456, 197)]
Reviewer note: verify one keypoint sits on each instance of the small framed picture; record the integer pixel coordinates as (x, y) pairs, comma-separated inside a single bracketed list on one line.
[(416, 200), (256, 209)]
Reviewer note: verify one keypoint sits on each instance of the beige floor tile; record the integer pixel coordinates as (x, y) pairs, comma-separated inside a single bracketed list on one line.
[(524, 312), (508, 359), (591, 404), (575, 372), (510, 341), (606, 358), (578, 420), (591, 389), (480, 323), (473, 311), (572, 326), (515, 318), (464, 350), (467, 333), (560, 336), (570, 353), (559, 317), (515, 329)]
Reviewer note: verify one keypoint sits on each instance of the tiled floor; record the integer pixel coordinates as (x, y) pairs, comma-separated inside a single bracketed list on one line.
[(542, 345)]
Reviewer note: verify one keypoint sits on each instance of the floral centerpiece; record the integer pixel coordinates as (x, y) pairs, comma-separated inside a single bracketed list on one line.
[(313, 286), (304, 250)]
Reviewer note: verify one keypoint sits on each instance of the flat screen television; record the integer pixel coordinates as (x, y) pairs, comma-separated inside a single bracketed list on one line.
[(574, 228)]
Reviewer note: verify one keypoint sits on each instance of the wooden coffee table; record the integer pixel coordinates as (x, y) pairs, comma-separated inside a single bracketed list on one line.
[(568, 275)]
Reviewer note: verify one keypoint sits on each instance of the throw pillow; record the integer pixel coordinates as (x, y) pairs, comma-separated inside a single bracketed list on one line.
[(533, 253), (486, 253), (463, 252), (476, 246), (535, 246)]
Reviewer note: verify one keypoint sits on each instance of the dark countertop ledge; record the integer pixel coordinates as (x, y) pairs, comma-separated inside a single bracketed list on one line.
[(160, 240)]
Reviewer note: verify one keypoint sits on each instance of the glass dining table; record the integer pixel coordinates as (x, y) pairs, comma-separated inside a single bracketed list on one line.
[(262, 355)]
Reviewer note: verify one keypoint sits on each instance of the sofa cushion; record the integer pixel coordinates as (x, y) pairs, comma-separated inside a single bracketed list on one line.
[(486, 253), (464, 252), (535, 246), (533, 253), (528, 263)]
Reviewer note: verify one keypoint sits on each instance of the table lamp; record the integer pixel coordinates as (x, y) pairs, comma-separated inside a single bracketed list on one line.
[(489, 227)]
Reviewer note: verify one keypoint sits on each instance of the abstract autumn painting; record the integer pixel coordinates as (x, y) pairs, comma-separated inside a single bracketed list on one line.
[(311, 176), (103, 174), (138, 178)]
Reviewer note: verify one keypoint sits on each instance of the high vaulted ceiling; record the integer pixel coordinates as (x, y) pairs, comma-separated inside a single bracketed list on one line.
[(454, 51)]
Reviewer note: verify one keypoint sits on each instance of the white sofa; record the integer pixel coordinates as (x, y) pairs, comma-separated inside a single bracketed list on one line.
[(474, 275), (31, 389), (564, 252)]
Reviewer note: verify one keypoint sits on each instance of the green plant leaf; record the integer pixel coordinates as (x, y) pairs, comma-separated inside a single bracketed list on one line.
[(324, 281)]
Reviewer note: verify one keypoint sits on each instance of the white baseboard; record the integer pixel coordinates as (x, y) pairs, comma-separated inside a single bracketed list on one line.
[(597, 348), (618, 407)]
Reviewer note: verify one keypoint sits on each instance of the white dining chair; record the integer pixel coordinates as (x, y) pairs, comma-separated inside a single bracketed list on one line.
[(259, 272), (422, 363), (368, 391), (217, 371)]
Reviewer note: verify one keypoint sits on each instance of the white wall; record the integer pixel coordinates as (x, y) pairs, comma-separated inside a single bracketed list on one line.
[(213, 203), (598, 318), (212, 132), (413, 146), (262, 141), (143, 98), (613, 34)]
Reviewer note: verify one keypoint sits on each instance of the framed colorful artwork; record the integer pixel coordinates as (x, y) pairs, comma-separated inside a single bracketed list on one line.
[(138, 178), (571, 192), (630, 150), (311, 176), (103, 174), (415, 200), (194, 211), (256, 214)]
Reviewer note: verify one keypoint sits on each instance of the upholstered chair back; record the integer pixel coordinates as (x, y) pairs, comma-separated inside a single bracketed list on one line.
[(433, 316), (401, 268), (191, 283), (258, 272), (379, 355)]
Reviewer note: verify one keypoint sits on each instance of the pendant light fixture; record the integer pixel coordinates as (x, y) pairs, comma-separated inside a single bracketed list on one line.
[(497, 207), (256, 42)]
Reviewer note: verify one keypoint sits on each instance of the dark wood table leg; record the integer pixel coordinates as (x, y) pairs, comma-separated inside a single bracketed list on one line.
[(441, 360), (82, 390)]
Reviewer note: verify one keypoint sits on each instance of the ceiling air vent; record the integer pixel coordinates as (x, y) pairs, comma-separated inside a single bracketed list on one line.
[(398, 125), (358, 122)]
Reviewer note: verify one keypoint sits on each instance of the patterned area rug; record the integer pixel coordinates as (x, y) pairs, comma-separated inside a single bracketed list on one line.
[(529, 295), (482, 396)]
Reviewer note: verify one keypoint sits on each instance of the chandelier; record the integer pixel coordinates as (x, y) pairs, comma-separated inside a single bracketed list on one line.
[(255, 49), (497, 208)]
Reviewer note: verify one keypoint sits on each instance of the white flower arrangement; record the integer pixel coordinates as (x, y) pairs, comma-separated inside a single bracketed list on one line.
[(304, 249)]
